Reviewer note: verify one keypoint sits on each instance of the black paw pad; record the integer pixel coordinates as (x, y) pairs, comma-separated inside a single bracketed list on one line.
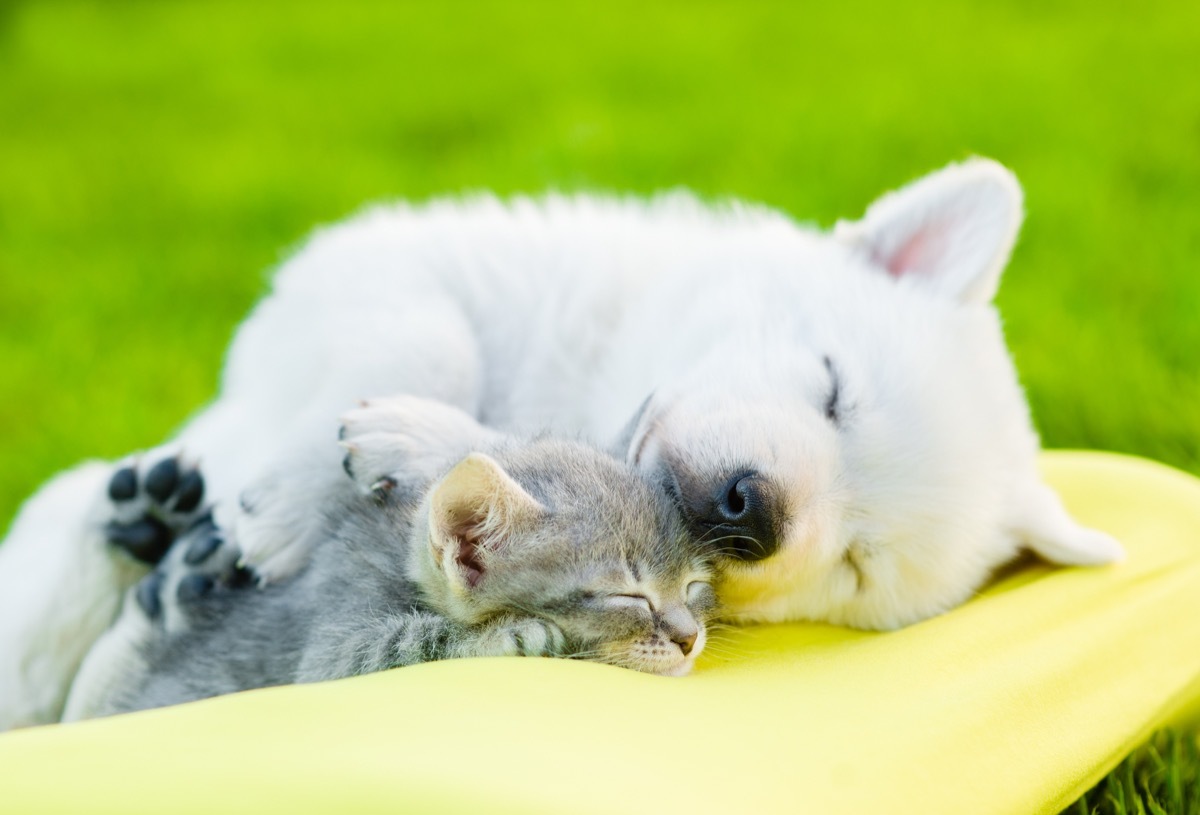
[(123, 485), (147, 539), (162, 479), (148, 594), (189, 492), (202, 549), (193, 587), (205, 520), (241, 577)]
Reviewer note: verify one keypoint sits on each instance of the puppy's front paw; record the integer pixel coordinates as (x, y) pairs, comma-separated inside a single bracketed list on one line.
[(150, 502), (522, 637), (400, 438)]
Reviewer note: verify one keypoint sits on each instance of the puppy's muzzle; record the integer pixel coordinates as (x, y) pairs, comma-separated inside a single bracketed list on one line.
[(737, 516)]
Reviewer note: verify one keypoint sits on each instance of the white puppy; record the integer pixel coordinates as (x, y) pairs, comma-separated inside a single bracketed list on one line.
[(837, 413)]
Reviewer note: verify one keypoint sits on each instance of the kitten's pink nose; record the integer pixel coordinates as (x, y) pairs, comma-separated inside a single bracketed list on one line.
[(685, 642)]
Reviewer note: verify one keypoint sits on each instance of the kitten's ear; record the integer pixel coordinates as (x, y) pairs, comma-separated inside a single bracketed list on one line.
[(949, 233), (1045, 528), (475, 511)]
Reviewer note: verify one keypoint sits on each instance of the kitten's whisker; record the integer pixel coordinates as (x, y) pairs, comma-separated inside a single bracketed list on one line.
[(583, 655), (725, 649)]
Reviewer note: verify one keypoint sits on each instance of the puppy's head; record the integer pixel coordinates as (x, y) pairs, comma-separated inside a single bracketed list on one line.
[(850, 436)]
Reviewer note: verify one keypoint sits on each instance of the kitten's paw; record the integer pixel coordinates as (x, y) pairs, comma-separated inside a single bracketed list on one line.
[(524, 637), (150, 501), (399, 438)]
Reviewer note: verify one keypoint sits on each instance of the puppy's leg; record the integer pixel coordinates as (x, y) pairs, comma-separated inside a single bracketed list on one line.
[(75, 547), (61, 582), (287, 462), (1041, 523), (163, 603), (116, 660), (60, 587), (400, 439)]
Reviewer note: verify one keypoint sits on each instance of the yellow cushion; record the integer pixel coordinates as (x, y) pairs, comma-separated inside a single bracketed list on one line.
[(1014, 703)]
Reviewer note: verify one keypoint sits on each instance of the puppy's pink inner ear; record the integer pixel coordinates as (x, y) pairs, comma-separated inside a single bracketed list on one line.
[(920, 252)]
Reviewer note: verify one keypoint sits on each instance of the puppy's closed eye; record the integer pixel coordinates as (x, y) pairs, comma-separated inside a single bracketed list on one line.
[(833, 400)]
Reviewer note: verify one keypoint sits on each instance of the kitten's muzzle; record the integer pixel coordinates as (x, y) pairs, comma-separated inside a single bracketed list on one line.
[(737, 515)]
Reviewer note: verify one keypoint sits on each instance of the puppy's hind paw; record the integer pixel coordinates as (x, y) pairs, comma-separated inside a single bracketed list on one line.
[(150, 503), (202, 564)]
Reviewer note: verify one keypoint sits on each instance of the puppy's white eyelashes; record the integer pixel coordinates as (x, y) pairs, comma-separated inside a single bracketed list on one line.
[(832, 401)]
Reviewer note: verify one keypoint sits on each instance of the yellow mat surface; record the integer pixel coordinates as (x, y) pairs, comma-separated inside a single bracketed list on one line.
[(1014, 703)]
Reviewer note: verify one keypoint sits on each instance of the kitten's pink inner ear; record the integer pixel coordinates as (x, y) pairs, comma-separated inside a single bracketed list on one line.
[(468, 561), (468, 540), (476, 510)]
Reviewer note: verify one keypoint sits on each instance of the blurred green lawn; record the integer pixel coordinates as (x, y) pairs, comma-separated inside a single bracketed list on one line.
[(156, 159)]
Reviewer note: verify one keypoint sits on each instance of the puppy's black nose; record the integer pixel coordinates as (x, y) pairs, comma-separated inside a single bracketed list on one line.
[(742, 518), (737, 499)]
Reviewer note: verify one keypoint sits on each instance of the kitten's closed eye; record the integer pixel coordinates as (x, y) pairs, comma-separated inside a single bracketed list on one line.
[(701, 597), (637, 602)]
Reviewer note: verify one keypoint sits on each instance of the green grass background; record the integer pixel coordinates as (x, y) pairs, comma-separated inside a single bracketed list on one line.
[(157, 158)]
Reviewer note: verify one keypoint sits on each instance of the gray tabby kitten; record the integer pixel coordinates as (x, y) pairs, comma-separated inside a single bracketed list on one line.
[(539, 547)]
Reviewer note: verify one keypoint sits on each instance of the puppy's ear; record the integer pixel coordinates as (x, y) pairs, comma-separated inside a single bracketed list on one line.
[(476, 511), (950, 233), (622, 447), (1041, 522)]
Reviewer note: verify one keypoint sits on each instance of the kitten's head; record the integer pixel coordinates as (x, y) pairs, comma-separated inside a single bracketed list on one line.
[(563, 532)]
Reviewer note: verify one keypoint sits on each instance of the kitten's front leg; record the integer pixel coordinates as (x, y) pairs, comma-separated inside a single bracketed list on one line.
[(415, 637), (339, 650), (512, 637)]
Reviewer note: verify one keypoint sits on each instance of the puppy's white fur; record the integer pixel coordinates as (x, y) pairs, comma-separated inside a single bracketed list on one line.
[(565, 313)]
